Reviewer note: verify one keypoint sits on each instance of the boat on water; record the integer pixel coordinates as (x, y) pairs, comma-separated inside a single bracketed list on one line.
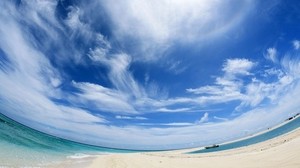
[(212, 146)]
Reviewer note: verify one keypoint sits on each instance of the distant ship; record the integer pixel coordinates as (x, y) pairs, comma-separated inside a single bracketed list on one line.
[(295, 116), (212, 146)]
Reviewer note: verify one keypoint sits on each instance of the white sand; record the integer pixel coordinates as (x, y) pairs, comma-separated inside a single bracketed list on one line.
[(280, 152)]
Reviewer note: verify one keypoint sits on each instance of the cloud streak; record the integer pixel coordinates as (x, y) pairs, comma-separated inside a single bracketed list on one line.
[(271, 54), (296, 44), (204, 118), (157, 24)]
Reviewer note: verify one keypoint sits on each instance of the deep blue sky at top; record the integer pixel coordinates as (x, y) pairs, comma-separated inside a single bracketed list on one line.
[(200, 62), (249, 40)]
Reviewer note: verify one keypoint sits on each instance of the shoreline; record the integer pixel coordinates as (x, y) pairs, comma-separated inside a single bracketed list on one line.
[(171, 158), (282, 151)]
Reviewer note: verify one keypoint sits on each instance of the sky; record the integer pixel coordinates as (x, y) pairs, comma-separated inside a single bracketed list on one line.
[(159, 74)]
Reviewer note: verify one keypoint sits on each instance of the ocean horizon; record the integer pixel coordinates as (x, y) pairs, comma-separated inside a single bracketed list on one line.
[(24, 146), (284, 128)]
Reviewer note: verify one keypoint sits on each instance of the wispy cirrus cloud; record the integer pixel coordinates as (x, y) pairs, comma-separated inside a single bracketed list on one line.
[(227, 87), (271, 54), (204, 118), (130, 118), (157, 25), (250, 91), (101, 98), (174, 110), (220, 118), (237, 67), (29, 87), (296, 44), (119, 75)]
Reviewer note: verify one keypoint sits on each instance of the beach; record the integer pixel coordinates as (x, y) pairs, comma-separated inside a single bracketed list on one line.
[(282, 151), (24, 147)]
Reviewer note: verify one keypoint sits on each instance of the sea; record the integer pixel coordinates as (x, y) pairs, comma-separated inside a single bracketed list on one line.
[(283, 129), (21, 146)]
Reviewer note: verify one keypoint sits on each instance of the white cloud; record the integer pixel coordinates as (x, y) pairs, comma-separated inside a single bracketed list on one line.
[(227, 87), (130, 117), (186, 135), (28, 88), (40, 13), (119, 73), (177, 124), (221, 118), (172, 124), (291, 66), (231, 86), (155, 25), (203, 119), (176, 67), (174, 110), (102, 98), (237, 66), (296, 44), (73, 20), (271, 54), (273, 72), (153, 90), (71, 114)]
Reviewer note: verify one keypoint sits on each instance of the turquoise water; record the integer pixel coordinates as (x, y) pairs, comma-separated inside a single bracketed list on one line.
[(21, 145), (292, 125)]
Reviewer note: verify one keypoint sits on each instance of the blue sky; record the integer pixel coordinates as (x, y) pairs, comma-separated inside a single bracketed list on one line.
[(149, 74)]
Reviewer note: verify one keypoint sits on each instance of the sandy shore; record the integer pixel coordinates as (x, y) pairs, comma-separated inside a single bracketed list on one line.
[(283, 152)]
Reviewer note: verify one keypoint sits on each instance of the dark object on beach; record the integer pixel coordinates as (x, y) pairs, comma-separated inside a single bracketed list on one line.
[(213, 146), (290, 118)]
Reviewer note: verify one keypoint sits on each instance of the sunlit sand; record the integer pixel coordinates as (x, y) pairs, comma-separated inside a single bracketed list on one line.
[(283, 152)]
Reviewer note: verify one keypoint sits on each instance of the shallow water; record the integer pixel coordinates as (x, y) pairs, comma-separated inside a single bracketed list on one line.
[(23, 146), (290, 126)]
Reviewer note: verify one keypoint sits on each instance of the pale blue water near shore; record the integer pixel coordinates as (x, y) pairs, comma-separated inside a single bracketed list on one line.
[(23, 146), (289, 126)]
